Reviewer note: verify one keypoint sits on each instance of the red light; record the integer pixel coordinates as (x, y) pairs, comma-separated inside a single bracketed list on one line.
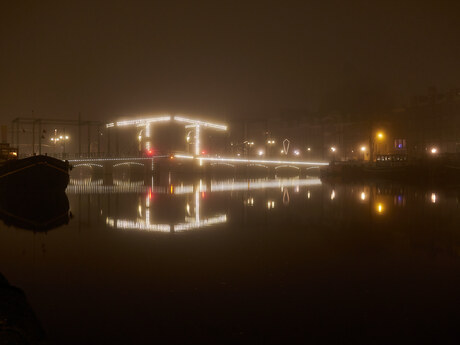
[(150, 152), (203, 152), (203, 195), (150, 193)]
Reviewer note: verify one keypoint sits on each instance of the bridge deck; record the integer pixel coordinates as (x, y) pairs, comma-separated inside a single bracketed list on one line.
[(239, 161)]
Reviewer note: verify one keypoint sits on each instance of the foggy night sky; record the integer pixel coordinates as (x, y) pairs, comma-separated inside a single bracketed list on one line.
[(112, 59)]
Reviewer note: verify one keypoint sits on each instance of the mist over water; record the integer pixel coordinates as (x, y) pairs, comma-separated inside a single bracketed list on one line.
[(225, 259)]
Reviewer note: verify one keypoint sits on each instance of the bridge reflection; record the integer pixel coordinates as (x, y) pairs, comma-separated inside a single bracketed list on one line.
[(174, 208), (191, 221)]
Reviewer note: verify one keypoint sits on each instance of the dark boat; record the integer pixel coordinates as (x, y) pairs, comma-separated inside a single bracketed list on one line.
[(34, 173)]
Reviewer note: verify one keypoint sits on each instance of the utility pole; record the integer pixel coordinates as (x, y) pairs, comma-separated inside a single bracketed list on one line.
[(33, 133), (89, 139), (98, 140), (40, 136), (79, 134)]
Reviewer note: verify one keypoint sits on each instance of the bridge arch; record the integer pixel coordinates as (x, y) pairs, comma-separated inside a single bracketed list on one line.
[(259, 165), (217, 164), (287, 166), (88, 165), (128, 164)]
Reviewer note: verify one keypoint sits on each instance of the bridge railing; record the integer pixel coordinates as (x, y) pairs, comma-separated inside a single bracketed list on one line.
[(69, 156)]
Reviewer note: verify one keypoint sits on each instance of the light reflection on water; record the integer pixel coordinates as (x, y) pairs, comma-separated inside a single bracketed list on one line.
[(184, 206), (188, 197), (289, 238)]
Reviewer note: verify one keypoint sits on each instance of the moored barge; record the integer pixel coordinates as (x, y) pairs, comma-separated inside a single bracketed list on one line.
[(35, 173)]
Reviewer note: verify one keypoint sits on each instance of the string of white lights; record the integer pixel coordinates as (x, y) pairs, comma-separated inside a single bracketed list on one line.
[(200, 123), (143, 121), (261, 161), (142, 225), (200, 224), (165, 118), (251, 185)]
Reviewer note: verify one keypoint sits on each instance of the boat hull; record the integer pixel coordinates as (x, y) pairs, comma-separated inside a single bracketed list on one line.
[(34, 173)]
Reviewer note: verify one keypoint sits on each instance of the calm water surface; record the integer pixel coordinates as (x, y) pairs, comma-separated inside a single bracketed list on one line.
[(222, 261)]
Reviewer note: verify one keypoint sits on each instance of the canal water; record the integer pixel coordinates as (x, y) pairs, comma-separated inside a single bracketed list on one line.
[(227, 261)]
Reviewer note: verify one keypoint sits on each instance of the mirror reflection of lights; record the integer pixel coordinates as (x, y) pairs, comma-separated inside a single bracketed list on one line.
[(434, 198), (217, 186), (88, 186), (145, 224), (333, 195), (308, 195), (270, 204), (183, 189)]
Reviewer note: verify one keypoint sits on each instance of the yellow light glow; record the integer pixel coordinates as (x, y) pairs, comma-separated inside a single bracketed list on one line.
[(380, 135), (333, 149), (380, 208), (433, 198), (363, 196), (333, 195), (434, 150), (363, 148)]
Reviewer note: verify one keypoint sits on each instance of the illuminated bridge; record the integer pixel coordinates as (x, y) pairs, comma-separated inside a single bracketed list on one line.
[(153, 161)]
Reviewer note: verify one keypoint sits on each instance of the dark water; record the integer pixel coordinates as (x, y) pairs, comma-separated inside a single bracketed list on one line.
[(266, 261)]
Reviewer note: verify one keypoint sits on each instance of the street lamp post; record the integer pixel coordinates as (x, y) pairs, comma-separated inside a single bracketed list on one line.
[(270, 143), (333, 150), (247, 146), (380, 136), (59, 138), (363, 150)]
